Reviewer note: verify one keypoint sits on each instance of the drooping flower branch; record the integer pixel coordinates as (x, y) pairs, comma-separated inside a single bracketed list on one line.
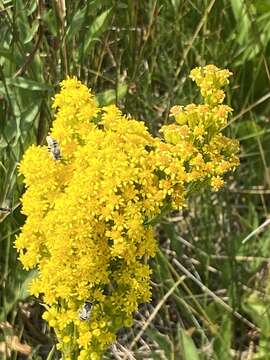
[(91, 209)]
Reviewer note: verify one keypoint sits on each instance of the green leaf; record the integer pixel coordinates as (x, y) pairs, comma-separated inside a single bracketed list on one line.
[(187, 346), (176, 4), (7, 54), (242, 19), (51, 353), (23, 83), (222, 342), (50, 21), (258, 308), (31, 7), (163, 341), (76, 23), (109, 97), (95, 29), (23, 290), (262, 6), (32, 32)]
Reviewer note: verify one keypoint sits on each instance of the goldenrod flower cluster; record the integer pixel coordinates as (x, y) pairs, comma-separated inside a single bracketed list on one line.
[(90, 213)]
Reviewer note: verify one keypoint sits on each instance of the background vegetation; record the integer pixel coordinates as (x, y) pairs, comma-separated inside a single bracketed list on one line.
[(210, 284)]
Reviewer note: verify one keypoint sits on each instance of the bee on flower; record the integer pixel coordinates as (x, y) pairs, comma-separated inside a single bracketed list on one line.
[(54, 148), (85, 311)]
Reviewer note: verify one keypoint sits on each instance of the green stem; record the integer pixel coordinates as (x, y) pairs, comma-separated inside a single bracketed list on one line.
[(167, 207)]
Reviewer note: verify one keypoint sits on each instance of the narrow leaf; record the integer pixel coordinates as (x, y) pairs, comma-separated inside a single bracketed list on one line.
[(95, 29), (187, 346), (109, 97), (23, 83), (32, 32), (76, 23)]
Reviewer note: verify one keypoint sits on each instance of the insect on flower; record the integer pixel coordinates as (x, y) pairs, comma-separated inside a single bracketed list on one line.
[(54, 148), (85, 312)]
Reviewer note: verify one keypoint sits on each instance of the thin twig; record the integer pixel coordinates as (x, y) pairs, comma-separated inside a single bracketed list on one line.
[(154, 313), (250, 107), (222, 257), (215, 297), (255, 191), (258, 229)]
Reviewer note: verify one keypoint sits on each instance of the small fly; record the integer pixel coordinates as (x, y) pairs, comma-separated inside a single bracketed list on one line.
[(85, 312)]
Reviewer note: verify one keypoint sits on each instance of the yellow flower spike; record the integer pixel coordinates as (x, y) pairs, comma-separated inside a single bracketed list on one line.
[(210, 79), (90, 213)]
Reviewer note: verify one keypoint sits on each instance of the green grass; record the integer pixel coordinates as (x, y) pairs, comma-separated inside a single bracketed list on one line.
[(210, 291)]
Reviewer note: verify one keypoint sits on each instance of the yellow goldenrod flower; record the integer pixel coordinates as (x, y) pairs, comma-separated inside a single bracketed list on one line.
[(90, 214)]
